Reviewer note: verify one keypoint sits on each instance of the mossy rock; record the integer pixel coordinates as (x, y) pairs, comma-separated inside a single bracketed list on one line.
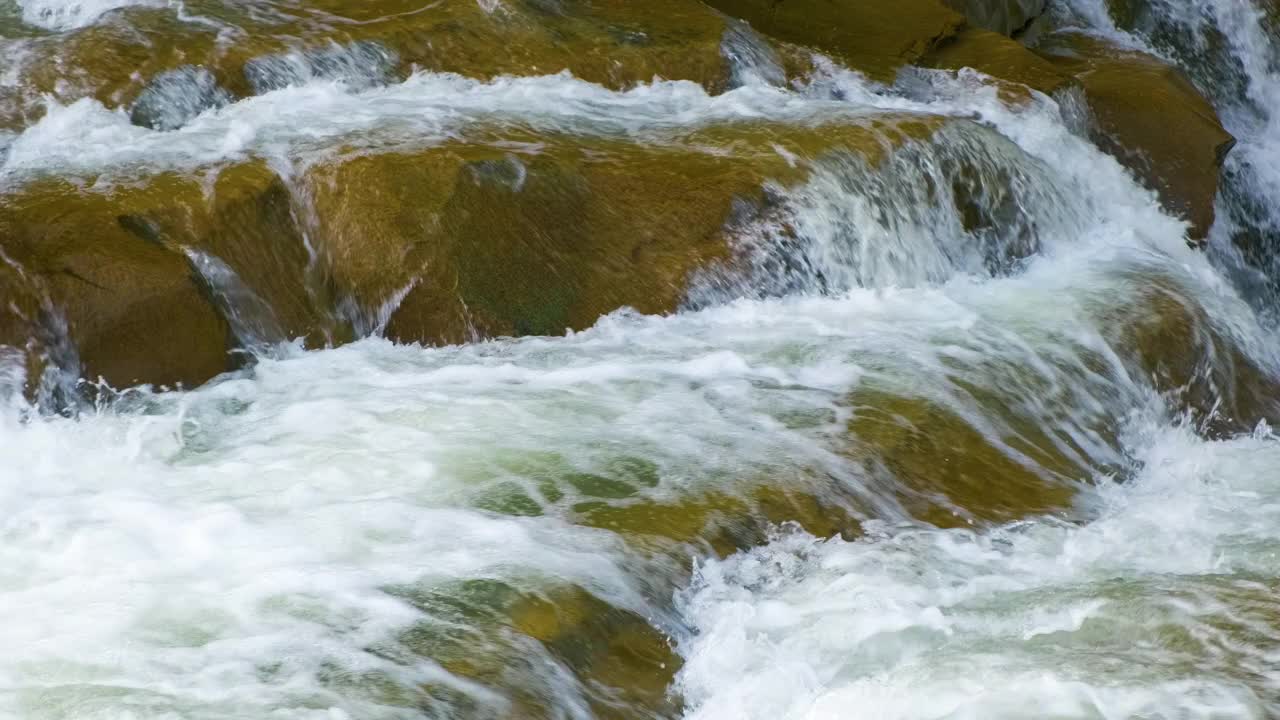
[(134, 308), (1006, 60), (725, 522), (513, 233), (872, 36), (1150, 117), (536, 235), (496, 634), (128, 267)]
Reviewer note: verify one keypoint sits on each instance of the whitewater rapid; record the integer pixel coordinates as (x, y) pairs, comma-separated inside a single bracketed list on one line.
[(162, 551), (295, 539)]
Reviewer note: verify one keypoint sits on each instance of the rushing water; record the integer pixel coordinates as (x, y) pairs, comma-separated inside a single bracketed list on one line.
[(864, 472)]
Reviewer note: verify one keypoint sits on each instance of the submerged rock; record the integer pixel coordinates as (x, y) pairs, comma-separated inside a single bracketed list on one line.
[(1151, 119), (947, 472), (176, 97)]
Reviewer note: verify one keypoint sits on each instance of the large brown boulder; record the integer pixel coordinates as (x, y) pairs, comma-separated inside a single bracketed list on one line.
[(508, 232), (133, 308), (1152, 119), (876, 38), (160, 277)]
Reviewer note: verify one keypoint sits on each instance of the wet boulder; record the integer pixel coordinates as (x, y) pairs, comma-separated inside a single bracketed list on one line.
[(948, 472), (1199, 367), (871, 36), (614, 43), (506, 232), (548, 234), (131, 308), (1152, 119)]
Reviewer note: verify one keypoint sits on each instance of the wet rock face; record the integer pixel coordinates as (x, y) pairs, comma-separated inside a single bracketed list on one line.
[(487, 241), (873, 37), (129, 306), (1151, 118), (1003, 16)]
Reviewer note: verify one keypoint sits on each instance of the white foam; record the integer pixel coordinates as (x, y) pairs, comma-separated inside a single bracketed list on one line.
[(1161, 607), (87, 137), (163, 554)]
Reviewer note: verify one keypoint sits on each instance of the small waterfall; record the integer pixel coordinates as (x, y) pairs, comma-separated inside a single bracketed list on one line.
[(358, 65), (251, 319), (752, 61), (1228, 49), (965, 202), (49, 351)]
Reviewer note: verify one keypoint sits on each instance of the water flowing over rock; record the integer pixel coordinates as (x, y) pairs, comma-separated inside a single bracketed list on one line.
[(875, 38), (147, 55), (1154, 120), (575, 359), (174, 98)]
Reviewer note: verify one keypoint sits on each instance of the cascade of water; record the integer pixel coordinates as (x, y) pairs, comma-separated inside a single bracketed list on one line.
[(1227, 49), (983, 362)]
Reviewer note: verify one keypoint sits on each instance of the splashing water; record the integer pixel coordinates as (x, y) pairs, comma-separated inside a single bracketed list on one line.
[(963, 366)]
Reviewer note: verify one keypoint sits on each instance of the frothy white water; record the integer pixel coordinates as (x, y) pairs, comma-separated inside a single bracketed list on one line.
[(236, 551), (87, 137), (1162, 606), (263, 546)]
